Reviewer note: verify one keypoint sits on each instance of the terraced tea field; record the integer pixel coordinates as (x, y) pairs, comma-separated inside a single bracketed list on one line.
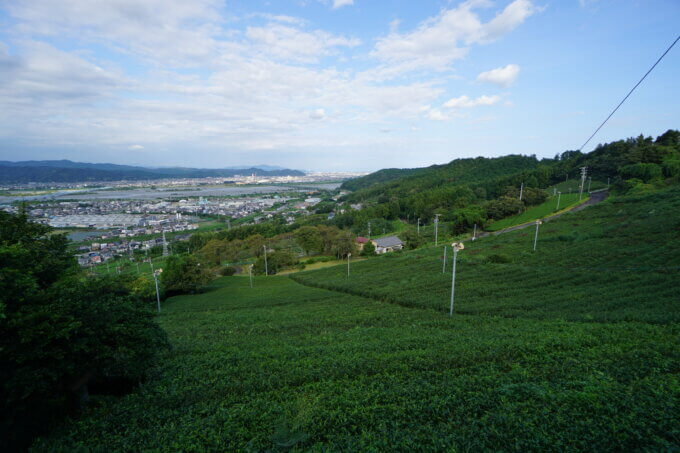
[(287, 367), (615, 261)]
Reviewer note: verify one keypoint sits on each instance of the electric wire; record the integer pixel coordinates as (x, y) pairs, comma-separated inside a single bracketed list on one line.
[(629, 93)]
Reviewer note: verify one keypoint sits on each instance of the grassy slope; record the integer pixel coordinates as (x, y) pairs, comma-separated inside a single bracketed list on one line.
[(284, 365), (614, 261), (537, 212)]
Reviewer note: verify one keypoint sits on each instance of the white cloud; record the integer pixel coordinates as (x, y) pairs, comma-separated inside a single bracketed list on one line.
[(340, 3), (467, 102), (437, 115), (318, 114), (503, 77), (439, 41), (290, 43), (256, 86)]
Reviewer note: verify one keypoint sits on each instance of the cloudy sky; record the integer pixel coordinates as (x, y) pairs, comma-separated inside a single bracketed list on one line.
[(328, 84)]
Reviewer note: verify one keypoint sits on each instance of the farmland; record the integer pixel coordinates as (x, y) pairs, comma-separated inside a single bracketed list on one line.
[(573, 347), (616, 261)]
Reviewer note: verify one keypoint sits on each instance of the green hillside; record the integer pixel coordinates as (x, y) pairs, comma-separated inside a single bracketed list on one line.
[(618, 260), (284, 366), (392, 183)]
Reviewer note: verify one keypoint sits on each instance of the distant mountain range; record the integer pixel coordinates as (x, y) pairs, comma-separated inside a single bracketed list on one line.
[(69, 171)]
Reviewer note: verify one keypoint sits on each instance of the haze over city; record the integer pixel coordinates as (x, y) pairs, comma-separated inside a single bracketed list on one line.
[(341, 85)]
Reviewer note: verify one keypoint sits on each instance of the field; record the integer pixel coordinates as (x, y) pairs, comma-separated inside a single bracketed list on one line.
[(537, 212), (532, 360), (616, 261)]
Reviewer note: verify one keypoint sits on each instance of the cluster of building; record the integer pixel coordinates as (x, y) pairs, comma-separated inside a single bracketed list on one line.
[(101, 252)]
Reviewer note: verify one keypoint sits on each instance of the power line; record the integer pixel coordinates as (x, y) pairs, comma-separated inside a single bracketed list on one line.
[(629, 93)]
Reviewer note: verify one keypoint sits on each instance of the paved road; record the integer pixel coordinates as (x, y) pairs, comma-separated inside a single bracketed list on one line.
[(595, 197)]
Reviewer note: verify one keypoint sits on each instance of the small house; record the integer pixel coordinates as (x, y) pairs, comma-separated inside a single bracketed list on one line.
[(387, 244)]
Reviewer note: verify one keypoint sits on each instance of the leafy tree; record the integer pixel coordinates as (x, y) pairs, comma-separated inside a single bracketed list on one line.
[(59, 332), (411, 239), (503, 207), (644, 172), (369, 249), (276, 262), (183, 274), (309, 239), (345, 242), (464, 219)]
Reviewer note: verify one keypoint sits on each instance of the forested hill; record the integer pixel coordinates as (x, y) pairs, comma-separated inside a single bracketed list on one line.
[(400, 183), (68, 171), (641, 158)]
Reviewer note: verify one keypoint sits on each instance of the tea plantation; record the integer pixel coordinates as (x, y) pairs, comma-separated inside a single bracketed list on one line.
[(615, 261), (572, 347)]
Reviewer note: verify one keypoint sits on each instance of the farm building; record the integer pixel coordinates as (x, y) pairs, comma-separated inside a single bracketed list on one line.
[(387, 244)]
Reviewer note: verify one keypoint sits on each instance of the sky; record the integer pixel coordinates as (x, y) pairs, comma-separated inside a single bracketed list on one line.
[(329, 85)]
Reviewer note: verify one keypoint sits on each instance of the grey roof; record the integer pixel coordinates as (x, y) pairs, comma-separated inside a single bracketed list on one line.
[(389, 241)]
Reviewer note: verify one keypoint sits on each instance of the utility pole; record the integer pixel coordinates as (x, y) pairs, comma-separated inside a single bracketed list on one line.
[(521, 191), (607, 183), (456, 246), (369, 229), (436, 227), (559, 195), (250, 271), (444, 263), (158, 296), (137, 267), (538, 222), (165, 245), (349, 255), (418, 226), (583, 181), (266, 270), (554, 191), (590, 180), (474, 233)]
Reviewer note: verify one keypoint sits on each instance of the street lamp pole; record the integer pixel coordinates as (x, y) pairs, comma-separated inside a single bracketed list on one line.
[(158, 295), (456, 246), (266, 270), (538, 222)]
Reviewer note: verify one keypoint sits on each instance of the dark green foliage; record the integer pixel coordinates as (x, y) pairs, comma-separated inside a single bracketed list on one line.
[(324, 207), (183, 274), (369, 249), (309, 239), (276, 262), (644, 172), (503, 207), (465, 219), (498, 258), (58, 332), (227, 271), (412, 239)]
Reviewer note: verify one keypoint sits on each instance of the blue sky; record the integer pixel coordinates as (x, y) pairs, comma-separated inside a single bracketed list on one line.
[(334, 85)]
